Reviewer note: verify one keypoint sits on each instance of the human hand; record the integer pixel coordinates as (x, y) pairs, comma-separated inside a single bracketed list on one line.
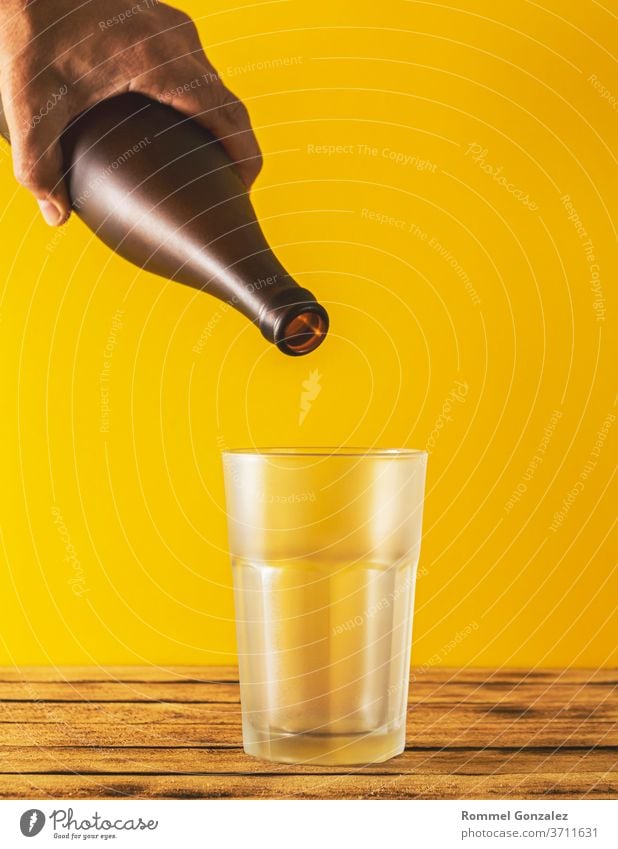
[(58, 59)]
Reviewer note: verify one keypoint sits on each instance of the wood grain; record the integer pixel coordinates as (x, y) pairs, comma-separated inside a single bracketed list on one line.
[(547, 786), (491, 692), (221, 761), (436, 675), (109, 732)]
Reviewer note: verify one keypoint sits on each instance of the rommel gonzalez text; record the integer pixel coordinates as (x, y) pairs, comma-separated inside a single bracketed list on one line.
[(513, 815)]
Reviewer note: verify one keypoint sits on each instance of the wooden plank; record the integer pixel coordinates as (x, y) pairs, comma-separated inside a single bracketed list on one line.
[(428, 729), (440, 675), (491, 677), (129, 713), (522, 694), (119, 691), (119, 673), (538, 786), (86, 732), (458, 714), (220, 761)]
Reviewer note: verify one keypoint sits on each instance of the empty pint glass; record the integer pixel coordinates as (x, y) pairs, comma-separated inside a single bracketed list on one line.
[(324, 546)]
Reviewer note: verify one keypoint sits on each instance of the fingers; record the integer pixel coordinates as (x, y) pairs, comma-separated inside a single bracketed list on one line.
[(37, 160), (41, 173), (217, 109), (195, 89)]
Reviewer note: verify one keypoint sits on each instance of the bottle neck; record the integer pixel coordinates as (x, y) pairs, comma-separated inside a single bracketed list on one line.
[(287, 314)]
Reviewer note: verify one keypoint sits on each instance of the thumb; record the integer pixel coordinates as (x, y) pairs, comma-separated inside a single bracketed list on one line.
[(36, 152), (39, 169), (51, 212)]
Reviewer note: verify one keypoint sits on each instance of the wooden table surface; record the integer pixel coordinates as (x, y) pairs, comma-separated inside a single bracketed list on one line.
[(137, 732)]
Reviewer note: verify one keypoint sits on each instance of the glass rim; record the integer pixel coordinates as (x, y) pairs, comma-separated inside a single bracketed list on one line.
[(328, 451)]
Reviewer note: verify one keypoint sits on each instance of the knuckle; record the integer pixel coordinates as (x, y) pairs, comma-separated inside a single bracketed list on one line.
[(179, 16), (254, 168), (26, 175), (234, 109), (185, 23), (29, 173)]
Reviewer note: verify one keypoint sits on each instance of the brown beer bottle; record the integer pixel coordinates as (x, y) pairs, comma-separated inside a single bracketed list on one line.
[(161, 191)]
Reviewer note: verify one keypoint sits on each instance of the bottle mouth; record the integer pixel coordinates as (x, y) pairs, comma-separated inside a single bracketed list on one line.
[(294, 321), (303, 332)]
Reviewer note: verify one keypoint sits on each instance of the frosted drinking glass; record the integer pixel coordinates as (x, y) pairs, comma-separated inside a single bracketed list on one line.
[(324, 546)]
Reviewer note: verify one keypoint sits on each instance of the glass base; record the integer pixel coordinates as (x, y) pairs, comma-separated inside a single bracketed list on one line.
[(326, 749)]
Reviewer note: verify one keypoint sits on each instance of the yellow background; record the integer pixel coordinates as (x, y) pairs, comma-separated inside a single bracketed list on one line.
[(140, 509)]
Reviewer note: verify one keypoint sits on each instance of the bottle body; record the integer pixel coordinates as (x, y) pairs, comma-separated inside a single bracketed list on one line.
[(161, 191)]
